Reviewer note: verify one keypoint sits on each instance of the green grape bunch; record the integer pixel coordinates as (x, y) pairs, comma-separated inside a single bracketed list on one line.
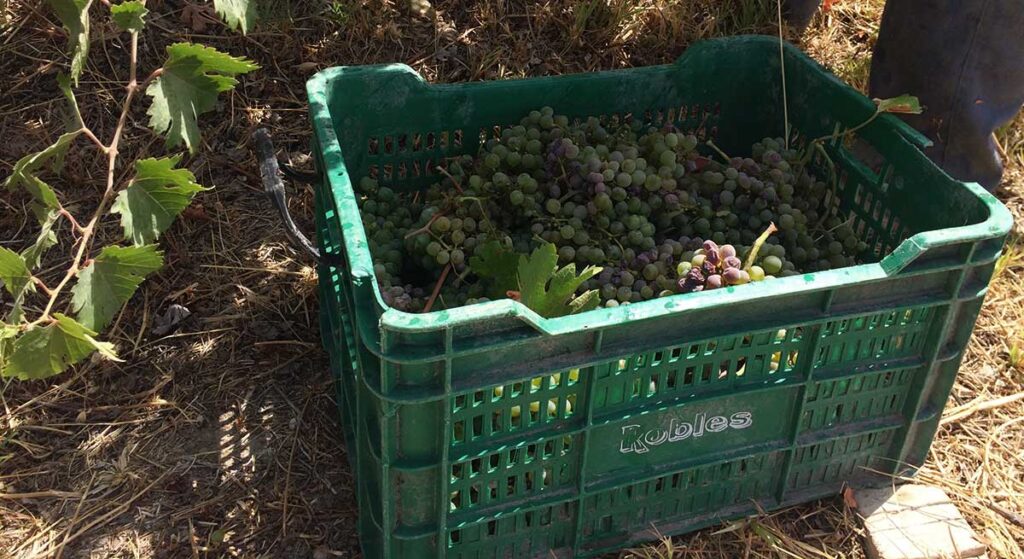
[(641, 211)]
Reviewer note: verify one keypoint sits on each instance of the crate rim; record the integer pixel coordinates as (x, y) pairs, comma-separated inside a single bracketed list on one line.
[(998, 222)]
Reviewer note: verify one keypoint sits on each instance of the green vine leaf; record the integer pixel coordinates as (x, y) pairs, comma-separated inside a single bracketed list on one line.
[(74, 15), (238, 14), (14, 273), (7, 334), (129, 16), (24, 171), (156, 196), (549, 290), (75, 122), (904, 104), (44, 351), (106, 285), (497, 263), (187, 87), (44, 241)]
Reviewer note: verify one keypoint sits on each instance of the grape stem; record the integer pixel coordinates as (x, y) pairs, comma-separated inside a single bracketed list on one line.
[(718, 150), (455, 183), (752, 257), (425, 228), (437, 288), (612, 237)]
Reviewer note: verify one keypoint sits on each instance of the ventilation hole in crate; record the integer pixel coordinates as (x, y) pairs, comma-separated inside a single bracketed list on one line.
[(705, 374), (373, 172), (677, 353), (652, 387), (443, 140), (516, 418), (403, 171), (478, 427), (723, 369), (688, 376), (417, 142), (671, 379), (458, 432), (496, 423), (454, 537), (417, 169), (403, 142), (455, 500), (373, 146), (389, 144), (713, 133), (388, 171)]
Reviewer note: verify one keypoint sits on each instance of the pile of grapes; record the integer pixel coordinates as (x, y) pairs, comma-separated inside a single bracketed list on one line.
[(658, 211)]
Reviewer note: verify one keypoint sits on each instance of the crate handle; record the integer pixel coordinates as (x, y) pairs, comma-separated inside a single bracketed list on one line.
[(273, 186)]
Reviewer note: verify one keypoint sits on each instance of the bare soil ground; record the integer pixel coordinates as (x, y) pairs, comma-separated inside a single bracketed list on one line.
[(220, 439)]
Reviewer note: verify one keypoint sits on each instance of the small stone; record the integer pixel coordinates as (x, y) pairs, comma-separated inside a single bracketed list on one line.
[(915, 522)]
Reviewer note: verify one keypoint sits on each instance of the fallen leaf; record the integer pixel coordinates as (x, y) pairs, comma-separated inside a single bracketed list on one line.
[(848, 498), (170, 319)]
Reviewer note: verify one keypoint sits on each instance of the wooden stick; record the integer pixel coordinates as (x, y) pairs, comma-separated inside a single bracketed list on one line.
[(974, 406), (437, 288)]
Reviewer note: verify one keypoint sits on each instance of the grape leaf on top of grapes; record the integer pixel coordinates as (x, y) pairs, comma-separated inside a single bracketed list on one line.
[(44, 351), (129, 16), (549, 290), (188, 85), (106, 285), (497, 263), (153, 200), (14, 273), (74, 15), (238, 14)]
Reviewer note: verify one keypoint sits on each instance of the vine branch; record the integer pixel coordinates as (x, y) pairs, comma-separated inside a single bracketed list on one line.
[(87, 232)]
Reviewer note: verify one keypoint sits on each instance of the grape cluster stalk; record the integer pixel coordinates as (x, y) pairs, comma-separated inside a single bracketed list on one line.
[(659, 211)]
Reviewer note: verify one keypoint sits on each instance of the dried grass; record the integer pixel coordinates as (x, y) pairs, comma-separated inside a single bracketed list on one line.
[(220, 439)]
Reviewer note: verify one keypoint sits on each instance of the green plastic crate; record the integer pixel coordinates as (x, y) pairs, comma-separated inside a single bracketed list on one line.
[(665, 434)]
